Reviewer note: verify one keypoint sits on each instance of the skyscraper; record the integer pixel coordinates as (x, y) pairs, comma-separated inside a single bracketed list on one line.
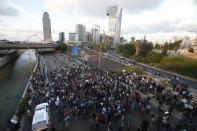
[(114, 25), (81, 32), (96, 34), (88, 37), (61, 37), (46, 28), (72, 36)]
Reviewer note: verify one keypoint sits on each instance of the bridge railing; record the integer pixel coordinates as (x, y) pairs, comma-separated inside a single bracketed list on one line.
[(26, 46)]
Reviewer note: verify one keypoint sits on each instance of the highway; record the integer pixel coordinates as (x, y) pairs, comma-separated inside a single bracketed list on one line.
[(52, 62), (125, 61)]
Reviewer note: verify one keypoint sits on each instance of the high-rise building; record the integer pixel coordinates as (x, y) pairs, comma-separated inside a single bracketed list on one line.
[(61, 37), (114, 25), (96, 34), (88, 37), (46, 28), (81, 32), (102, 37), (106, 39), (72, 36)]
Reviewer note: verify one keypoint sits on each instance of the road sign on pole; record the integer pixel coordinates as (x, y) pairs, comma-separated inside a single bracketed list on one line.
[(74, 51)]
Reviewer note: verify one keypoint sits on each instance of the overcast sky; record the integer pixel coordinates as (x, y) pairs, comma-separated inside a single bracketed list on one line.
[(157, 19)]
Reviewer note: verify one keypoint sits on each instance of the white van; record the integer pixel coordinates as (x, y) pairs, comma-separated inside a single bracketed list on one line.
[(41, 117)]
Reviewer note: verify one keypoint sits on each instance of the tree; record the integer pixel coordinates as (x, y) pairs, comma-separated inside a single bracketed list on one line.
[(145, 48), (63, 47), (157, 46), (154, 57), (126, 50), (165, 49), (175, 45)]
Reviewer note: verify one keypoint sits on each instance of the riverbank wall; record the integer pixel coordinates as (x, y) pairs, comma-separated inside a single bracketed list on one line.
[(4, 60)]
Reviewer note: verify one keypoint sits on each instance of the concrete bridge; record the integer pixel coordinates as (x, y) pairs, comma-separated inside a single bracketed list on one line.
[(7, 46)]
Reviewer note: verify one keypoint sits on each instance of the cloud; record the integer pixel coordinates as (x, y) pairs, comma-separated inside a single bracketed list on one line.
[(195, 1), (98, 8), (22, 34), (160, 27), (21, 31), (2, 24), (24, 31), (2, 34), (19, 34), (165, 18), (189, 26), (8, 9), (140, 5), (150, 28)]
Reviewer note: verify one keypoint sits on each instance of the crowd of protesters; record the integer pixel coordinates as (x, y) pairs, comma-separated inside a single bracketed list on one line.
[(106, 98), (178, 96)]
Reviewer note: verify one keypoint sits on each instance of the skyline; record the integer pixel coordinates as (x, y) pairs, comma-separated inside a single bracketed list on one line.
[(155, 19)]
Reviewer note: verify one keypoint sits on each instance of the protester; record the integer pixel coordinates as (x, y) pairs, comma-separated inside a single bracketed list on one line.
[(102, 96)]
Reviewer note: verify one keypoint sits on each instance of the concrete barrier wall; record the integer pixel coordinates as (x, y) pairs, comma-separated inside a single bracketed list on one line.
[(8, 58), (4, 60), (15, 116), (28, 84)]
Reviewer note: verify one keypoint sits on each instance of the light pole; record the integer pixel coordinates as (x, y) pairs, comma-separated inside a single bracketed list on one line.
[(100, 56), (29, 52)]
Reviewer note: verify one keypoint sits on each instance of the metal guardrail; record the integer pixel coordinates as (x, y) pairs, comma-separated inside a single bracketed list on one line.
[(26, 46)]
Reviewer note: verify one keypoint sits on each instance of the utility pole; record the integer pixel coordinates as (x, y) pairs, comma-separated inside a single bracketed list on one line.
[(100, 57), (31, 68)]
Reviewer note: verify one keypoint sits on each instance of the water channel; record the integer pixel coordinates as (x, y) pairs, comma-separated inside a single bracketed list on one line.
[(13, 80)]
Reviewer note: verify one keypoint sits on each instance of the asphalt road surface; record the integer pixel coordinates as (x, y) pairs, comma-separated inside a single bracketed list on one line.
[(50, 62)]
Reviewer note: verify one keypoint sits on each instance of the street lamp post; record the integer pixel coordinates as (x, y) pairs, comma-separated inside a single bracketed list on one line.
[(29, 52), (100, 57), (100, 52)]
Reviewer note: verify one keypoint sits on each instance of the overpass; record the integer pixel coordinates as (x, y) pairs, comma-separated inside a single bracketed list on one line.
[(7, 46), (78, 43)]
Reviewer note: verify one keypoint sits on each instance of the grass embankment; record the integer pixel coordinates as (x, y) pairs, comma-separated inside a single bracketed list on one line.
[(178, 64), (181, 65)]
